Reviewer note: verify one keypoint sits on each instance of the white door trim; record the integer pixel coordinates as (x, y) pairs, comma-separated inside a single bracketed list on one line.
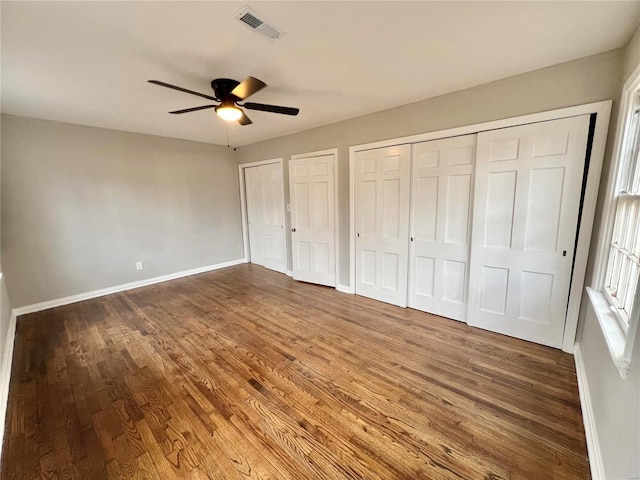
[(603, 112), (243, 209), (336, 226)]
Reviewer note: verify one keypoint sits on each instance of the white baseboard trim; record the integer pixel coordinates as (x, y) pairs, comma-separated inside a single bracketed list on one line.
[(290, 273), (344, 289), (5, 375), (593, 445), (58, 302)]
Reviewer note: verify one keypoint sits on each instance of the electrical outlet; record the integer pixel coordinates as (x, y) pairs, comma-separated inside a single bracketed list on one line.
[(139, 265)]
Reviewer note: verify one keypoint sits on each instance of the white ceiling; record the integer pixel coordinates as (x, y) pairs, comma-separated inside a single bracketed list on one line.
[(88, 62)]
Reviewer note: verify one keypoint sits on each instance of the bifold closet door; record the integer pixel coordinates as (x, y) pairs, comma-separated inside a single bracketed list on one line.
[(382, 178), (441, 194), (311, 187), (526, 204), (265, 213)]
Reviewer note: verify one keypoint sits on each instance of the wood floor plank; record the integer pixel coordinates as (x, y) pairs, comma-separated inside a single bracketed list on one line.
[(243, 373)]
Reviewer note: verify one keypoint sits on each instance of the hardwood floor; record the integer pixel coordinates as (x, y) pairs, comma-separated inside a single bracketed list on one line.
[(245, 373)]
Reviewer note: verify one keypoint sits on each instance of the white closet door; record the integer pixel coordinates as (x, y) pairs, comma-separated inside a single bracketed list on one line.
[(382, 223), (265, 212), (527, 197), (441, 193), (311, 188)]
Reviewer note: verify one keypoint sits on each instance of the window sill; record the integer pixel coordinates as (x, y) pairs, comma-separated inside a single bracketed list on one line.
[(613, 333)]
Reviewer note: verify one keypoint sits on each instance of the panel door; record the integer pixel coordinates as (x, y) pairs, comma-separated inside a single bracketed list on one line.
[(527, 198), (265, 213), (382, 184), (311, 188), (441, 194)]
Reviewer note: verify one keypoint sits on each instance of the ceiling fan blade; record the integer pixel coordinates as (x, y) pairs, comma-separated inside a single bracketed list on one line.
[(248, 87), (194, 109), (180, 89), (244, 120), (271, 108)]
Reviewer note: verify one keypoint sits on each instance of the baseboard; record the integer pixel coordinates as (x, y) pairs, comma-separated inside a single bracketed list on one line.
[(58, 302), (344, 289), (290, 273), (5, 375), (593, 445)]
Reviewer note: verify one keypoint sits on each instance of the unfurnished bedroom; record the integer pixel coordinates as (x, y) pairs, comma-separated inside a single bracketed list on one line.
[(320, 240)]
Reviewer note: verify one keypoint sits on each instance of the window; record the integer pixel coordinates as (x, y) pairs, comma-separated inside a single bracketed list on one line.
[(616, 293), (623, 265)]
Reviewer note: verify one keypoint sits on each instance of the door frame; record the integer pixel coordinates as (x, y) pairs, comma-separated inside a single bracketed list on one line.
[(246, 246), (602, 110), (336, 218)]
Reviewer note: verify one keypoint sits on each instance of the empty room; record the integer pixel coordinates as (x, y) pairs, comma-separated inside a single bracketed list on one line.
[(320, 240)]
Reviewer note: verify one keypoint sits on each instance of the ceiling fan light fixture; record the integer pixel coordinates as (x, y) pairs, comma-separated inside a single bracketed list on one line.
[(228, 92), (227, 112)]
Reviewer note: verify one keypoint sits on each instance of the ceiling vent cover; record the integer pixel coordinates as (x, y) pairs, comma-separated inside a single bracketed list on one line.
[(254, 22)]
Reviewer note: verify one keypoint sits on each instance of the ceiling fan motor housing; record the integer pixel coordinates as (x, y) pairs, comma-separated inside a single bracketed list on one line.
[(223, 87)]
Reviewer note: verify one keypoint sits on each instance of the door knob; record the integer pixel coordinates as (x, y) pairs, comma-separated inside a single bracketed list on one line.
[(293, 229)]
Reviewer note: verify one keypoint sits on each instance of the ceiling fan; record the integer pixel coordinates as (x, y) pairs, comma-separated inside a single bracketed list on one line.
[(229, 92)]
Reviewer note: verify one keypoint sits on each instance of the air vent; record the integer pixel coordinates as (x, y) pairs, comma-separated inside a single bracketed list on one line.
[(256, 23)]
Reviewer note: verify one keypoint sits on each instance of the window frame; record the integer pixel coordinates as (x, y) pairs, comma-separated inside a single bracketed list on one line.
[(619, 334), (618, 270)]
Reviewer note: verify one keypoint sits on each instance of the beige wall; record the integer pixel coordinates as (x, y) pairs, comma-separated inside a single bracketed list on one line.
[(581, 81), (81, 205), (5, 320), (615, 403), (631, 58), (5, 316), (5, 350)]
